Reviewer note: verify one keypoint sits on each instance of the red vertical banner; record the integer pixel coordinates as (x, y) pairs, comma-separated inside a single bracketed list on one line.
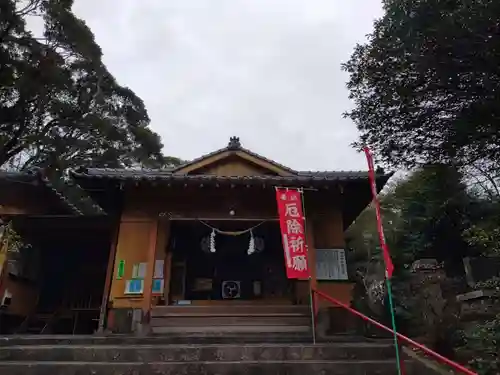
[(389, 267), (292, 225)]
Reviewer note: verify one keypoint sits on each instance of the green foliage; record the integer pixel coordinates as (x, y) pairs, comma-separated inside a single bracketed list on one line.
[(424, 215), (484, 234), (426, 89), (426, 85), (433, 214), (10, 239), (484, 341), (59, 105)]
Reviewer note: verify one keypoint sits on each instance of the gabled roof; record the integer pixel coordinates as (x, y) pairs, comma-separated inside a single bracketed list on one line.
[(284, 175), (233, 148)]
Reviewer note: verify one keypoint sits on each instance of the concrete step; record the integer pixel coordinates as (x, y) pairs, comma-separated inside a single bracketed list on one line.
[(197, 353), (230, 321), (180, 339), (272, 367), (231, 329), (231, 310)]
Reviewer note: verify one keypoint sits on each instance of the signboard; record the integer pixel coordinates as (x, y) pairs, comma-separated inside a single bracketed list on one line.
[(331, 264), (292, 225)]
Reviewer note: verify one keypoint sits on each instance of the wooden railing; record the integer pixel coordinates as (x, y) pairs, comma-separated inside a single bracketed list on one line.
[(403, 339)]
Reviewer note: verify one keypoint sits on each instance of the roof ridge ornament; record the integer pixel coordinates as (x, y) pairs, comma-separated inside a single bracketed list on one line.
[(234, 143)]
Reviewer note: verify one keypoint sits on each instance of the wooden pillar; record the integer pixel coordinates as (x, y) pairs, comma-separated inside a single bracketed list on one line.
[(109, 276), (167, 257), (311, 257), (148, 280), (168, 276), (162, 240), (311, 252)]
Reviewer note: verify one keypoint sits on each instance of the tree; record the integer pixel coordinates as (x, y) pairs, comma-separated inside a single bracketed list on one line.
[(424, 215), (433, 205), (484, 237), (426, 86), (59, 105)]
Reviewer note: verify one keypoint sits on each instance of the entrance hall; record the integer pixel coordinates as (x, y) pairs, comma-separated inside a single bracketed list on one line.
[(228, 260)]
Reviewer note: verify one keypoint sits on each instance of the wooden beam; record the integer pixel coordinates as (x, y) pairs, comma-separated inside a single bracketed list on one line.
[(225, 218), (148, 280), (107, 282)]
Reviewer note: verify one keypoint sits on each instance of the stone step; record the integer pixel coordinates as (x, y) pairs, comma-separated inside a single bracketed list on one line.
[(213, 321), (230, 329), (203, 353), (181, 339), (272, 367), (232, 310)]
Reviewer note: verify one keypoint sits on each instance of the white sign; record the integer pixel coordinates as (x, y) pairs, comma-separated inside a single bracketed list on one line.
[(331, 264), (158, 273)]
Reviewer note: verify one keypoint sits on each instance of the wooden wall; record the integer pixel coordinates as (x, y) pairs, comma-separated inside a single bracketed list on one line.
[(233, 168), (132, 247), (24, 295), (19, 199), (325, 231)]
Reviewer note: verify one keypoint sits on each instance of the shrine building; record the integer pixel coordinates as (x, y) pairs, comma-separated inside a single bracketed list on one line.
[(194, 248)]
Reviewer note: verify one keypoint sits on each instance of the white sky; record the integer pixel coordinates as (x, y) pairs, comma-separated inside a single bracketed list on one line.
[(267, 71)]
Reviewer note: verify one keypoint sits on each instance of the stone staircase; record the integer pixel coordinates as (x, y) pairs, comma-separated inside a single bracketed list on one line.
[(239, 319), (208, 355)]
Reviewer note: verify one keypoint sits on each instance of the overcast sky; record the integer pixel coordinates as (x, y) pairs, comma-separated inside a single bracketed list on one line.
[(267, 71)]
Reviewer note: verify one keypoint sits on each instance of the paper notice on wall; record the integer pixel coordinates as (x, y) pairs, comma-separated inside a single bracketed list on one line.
[(158, 286), (141, 273), (135, 271), (158, 274)]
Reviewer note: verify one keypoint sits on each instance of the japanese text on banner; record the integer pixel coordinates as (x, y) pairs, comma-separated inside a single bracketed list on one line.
[(293, 232)]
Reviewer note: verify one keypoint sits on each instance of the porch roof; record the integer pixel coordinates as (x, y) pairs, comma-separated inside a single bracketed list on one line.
[(58, 195)]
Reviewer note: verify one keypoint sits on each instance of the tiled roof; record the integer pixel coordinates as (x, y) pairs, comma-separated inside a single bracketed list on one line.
[(335, 174), (72, 196), (75, 196), (172, 174), (175, 175), (167, 175)]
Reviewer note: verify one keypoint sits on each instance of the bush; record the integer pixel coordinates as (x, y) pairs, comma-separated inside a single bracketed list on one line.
[(484, 342)]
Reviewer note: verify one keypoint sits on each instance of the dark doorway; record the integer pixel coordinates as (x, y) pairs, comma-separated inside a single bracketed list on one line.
[(71, 270), (236, 269)]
